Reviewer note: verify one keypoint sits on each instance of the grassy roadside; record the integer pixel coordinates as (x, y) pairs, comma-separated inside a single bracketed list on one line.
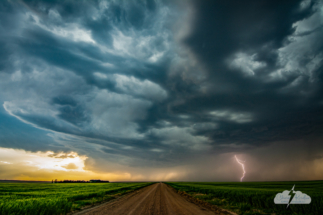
[(52, 199), (254, 197)]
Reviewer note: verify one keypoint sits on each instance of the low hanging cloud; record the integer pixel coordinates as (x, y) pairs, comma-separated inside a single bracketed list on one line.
[(246, 63), (70, 166)]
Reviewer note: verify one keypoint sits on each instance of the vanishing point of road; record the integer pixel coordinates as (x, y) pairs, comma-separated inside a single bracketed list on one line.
[(156, 199)]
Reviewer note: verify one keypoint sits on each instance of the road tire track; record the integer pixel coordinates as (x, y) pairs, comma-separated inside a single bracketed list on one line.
[(156, 199)]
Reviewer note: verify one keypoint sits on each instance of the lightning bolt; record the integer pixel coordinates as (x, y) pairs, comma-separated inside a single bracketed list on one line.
[(242, 165), (292, 194)]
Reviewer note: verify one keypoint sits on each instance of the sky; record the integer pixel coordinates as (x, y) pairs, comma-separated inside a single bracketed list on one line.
[(161, 90)]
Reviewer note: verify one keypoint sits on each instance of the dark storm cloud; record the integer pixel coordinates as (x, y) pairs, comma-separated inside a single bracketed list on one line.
[(224, 27), (160, 81), (17, 135), (258, 29)]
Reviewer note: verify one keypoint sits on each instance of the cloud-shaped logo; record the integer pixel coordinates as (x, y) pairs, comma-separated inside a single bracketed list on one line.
[(297, 197), (301, 198)]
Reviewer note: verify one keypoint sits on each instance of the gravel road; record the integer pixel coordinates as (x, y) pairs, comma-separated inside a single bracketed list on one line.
[(156, 199)]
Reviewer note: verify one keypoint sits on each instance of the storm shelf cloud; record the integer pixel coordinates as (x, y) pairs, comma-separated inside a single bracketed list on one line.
[(165, 89)]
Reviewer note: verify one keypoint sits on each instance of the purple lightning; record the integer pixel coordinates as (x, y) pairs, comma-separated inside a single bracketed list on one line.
[(242, 165)]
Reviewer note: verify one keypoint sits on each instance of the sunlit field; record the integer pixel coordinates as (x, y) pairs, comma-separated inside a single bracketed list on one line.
[(255, 197), (57, 198)]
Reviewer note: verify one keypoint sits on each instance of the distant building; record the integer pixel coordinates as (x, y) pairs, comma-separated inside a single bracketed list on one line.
[(98, 181)]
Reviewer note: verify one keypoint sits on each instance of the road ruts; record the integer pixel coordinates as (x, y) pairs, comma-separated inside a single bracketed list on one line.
[(156, 199)]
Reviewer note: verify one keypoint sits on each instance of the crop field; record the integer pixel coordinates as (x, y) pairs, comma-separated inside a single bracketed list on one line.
[(255, 197), (57, 198)]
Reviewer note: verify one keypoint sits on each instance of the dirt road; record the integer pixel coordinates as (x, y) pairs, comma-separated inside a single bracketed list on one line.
[(157, 199)]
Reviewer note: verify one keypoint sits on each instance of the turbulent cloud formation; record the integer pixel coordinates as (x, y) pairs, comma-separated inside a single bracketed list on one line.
[(164, 90)]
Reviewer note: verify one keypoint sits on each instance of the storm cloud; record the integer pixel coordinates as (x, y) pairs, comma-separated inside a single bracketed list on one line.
[(166, 89)]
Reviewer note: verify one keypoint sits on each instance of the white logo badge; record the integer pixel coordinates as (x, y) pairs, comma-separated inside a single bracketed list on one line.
[(297, 197)]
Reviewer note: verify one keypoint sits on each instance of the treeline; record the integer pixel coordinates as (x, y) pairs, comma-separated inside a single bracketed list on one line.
[(80, 181), (70, 181)]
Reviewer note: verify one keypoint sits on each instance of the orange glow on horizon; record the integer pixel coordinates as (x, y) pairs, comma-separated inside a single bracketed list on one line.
[(46, 166)]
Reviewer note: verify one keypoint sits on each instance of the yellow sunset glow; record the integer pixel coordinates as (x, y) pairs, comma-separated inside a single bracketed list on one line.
[(48, 160), (24, 165)]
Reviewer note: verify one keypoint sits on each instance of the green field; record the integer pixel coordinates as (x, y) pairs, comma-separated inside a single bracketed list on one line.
[(59, 198), (255, 197)]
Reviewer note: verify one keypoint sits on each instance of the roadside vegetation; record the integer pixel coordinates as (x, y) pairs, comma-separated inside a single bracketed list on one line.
[(59, 198), (255, 197)]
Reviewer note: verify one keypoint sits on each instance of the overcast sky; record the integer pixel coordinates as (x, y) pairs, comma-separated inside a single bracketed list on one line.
[(161, 90)]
